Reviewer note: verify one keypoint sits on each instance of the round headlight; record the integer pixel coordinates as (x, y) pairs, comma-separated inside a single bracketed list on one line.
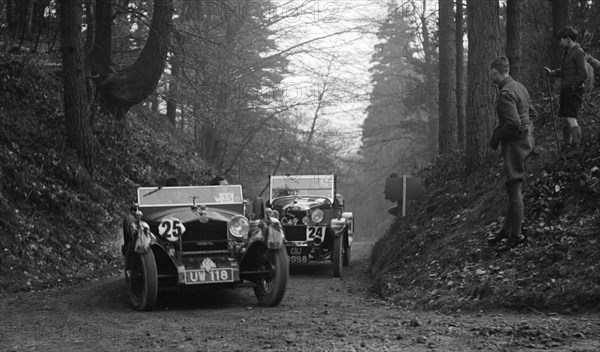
[(317, 216), (305, 220), (238, 226)]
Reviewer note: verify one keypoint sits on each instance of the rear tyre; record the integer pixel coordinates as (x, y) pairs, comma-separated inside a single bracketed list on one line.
[(271, 287), (142, 279), (337, 256)]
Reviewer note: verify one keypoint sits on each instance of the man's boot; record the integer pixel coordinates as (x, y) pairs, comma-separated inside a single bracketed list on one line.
[(502, 234), (516, 214)]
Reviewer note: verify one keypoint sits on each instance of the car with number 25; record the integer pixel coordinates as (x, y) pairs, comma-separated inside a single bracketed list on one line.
[(182, 237), (315, 225)]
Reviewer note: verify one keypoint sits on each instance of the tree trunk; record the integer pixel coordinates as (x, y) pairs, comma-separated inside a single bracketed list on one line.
[(37, 11), (429, 86), (99, 57), (90, 31), (122, 90), (483, 36), (460, 74), (24, 24), (171, 101), (561, 16), (448, 136), (77, 125), (513, 37), (12, 17)]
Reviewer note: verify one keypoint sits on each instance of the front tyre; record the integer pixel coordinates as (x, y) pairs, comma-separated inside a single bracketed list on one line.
[(337, 256), (142, 279), (346, 258), (270, 288)]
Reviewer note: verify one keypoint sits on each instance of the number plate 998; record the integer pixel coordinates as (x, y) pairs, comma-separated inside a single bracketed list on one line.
[(295, 259), (298, 255)]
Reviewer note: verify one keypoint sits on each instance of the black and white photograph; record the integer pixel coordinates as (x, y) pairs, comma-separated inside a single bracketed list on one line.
[(300, 175)]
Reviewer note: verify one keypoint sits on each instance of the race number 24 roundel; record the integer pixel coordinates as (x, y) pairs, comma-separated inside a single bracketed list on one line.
[(171, 229)]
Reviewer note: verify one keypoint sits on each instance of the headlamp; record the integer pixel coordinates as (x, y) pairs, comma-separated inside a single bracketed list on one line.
[(238, 226), (317, 216)]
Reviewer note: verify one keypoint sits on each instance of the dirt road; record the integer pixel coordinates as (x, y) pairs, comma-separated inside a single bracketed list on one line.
[(318, 313)]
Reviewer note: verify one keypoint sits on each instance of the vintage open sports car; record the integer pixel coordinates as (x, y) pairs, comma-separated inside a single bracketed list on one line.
[(188, 236), (315, 225)]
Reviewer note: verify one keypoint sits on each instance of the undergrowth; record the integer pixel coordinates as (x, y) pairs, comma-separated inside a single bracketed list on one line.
[(437, 257), (58, 220)]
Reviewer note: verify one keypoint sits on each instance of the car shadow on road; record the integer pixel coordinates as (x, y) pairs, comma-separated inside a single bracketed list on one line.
[(205, 297), (321, 269)]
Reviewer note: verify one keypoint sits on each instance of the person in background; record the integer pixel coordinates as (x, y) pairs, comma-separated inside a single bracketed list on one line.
[(172, 182), (218, 180), (514, 134), (573, 74)]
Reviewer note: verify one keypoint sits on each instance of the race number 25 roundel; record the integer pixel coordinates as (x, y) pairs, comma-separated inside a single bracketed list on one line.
[(171, 229)]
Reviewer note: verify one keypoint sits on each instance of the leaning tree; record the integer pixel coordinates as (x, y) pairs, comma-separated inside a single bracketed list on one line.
[(115, 89)]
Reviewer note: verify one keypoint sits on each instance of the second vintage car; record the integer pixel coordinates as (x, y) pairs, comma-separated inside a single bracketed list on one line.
[(312, 214), (178, 237)]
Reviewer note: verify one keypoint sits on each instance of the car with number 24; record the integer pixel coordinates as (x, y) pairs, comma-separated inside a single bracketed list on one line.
[(315, 225), (183, 237)]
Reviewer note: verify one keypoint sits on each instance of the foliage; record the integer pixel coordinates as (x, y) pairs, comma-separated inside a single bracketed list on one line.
[(437, 257), (54, 213)]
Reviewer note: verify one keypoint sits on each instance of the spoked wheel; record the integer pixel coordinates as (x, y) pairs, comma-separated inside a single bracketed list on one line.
[(271, 287), (142, 279), (337, 256)]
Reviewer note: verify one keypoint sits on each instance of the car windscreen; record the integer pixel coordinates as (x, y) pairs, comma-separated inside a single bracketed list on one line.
[(160, 196), (302, 185)]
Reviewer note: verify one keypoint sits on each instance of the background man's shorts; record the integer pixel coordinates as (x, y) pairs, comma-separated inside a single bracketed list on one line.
[(570, 101)]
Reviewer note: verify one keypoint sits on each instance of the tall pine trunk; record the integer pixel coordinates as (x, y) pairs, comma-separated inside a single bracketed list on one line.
[(561, 16), (484, 37), (76, 104), (448, 134), (99, 55), (173, 82), (460, 75), (432, 123), (513, 37)]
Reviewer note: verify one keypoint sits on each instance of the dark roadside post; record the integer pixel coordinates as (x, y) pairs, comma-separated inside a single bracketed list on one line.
[(401, 190)]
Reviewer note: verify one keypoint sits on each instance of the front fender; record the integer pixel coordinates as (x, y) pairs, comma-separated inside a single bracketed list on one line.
[(349, 216), (276, 238), (141, 245), (339, 226), (264, 236)]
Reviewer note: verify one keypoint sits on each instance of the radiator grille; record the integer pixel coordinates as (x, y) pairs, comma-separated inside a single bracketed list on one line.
[(295, 233)]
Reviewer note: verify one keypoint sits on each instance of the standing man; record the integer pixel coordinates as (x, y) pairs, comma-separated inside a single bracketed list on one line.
[(514, 134), (572, 75)]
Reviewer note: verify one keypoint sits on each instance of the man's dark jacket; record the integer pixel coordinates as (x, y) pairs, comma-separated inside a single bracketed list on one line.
[(515, 129), (514, 110), (572, 71)]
